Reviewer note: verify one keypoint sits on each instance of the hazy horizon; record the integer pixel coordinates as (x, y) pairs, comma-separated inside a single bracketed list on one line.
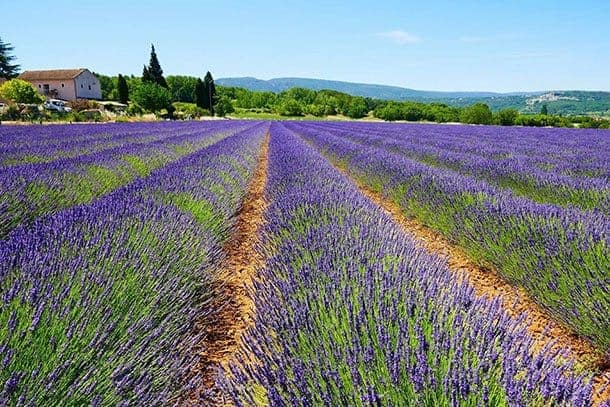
[(438, 46)]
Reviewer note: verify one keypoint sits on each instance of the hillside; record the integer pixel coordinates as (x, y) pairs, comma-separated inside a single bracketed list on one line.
[(573, 102), (355, 89)]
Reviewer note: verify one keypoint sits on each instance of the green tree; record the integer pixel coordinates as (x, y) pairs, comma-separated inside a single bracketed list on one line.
[(327, 101), (389, 111), (289, 107), (7, 69), (154, 68), (248, 99), (151, 97), (147, 76), (302, 95), (224, 106), (210, 93), (544, 110), (182, 87), (479, 113), (507, 117), (109, 86), (412, 112), (20, 91), (315, 110), (357, 108), (200, 96), (132, 82), (441, 113), (122, 89)]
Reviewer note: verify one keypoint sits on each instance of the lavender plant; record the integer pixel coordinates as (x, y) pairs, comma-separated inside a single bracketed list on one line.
[(559, 255), (532, 174), (98, 301), (28, 191), (350, 312)]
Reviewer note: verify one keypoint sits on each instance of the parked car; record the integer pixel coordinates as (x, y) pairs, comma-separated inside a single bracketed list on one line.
[(56, 105)]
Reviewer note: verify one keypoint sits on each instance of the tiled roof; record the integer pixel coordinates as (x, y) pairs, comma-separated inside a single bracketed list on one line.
[(52, 74)]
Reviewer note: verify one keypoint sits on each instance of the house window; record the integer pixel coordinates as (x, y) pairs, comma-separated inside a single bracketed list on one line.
[(81, 85), (62, 85), (39, 85), (89, 87)]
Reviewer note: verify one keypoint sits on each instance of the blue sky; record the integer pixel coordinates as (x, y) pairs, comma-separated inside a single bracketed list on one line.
[(432, 45)]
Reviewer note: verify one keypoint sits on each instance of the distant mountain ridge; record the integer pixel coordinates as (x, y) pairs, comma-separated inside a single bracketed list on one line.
[(573, 102), (352, 88)]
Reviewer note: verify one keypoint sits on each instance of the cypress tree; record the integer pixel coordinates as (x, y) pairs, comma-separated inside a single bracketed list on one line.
[(200, 94), (544, 110), (155, 68), (123, 89), (206, 101), (146, 76), (210, 93), (7, 70)]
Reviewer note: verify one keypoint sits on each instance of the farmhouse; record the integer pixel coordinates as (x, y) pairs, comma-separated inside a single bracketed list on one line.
[(67, 84)]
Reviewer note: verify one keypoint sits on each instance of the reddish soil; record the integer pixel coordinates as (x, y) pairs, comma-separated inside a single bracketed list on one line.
[(489, 283), (232, 290)]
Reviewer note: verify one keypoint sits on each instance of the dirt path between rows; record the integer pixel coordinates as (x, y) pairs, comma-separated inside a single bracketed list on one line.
[(222, 338), (488, 283)]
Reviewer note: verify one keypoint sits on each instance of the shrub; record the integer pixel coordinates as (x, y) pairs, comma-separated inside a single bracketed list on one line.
[(223, 106), (76, 117), (12, 112), (110, 108), (357, 108), (289, 107), (189, 109), (506, 117), (151, 97), (79, 105), (390, 111), (593, 123), (479, 113), (92, 115), (30, 112), (315, 110), (20, 91), (412, 113), (541, 120), (134, 109), (168, 113)]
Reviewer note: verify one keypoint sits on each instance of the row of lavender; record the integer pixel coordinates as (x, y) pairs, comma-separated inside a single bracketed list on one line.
[(26, 144), (350, 312), (559, 255), (20, 138), (580, 153), (476, 156), (28, 191), (98, 301)]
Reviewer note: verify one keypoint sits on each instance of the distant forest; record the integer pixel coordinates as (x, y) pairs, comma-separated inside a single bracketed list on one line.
[(302, 102), (559, 102)]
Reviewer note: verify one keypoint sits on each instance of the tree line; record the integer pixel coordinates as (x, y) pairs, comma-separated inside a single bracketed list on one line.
[(307, 102), (193, 97), (480, 113), (154, 92), (150, 92)]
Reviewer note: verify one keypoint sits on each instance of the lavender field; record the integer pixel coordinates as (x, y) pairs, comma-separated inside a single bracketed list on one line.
[(114, 237)]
